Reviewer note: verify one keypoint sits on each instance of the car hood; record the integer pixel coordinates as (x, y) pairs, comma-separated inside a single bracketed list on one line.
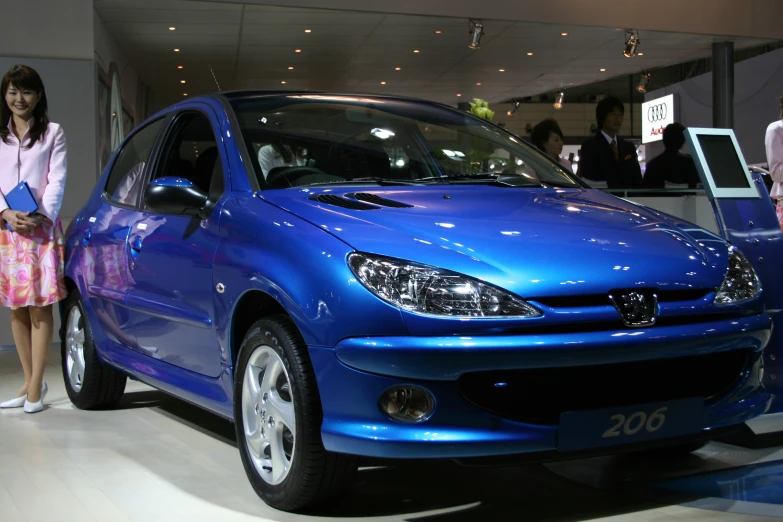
[(534, 242)]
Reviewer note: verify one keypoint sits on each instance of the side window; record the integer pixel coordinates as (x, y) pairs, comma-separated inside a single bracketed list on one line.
[(191, 153), (126, 176)]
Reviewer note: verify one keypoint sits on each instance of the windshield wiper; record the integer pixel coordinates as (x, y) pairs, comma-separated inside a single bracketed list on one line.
[(379, 181)]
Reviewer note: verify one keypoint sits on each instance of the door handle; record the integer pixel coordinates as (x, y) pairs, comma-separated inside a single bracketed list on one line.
[(135, 246), (86, 237)]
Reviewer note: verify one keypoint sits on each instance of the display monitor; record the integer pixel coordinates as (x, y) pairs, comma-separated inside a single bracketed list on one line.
[(720, 163)]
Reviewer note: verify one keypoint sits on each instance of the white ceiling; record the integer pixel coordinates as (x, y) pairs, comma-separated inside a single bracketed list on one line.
[(251, 47)]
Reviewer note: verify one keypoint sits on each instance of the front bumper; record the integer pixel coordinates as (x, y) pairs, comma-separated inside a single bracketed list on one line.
[(353, 375)]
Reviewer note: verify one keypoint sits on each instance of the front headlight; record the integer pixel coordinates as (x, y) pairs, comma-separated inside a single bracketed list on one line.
[(433, 291), (741, 282)]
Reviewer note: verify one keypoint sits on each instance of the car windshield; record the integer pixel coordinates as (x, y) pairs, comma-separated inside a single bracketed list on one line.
[(307, 140)]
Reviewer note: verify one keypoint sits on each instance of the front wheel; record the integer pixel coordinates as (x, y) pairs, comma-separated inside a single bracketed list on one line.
[(278, 417)]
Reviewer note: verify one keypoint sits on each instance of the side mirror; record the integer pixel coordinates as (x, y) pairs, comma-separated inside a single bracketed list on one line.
[(172, 195)]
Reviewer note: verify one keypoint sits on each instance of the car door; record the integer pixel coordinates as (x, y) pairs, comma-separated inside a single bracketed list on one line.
[(170, 256), (105, 236)]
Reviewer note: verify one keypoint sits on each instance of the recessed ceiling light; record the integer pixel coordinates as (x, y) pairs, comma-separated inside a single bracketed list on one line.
[(297, 50), (176, 50), (308, 30), (398, 68), (172, 28), (383, 83), (563, 34), (501, 70), (458, 95), (603, 70), (182, 81), (291, 68), (415, 50), (438, 32), (639, 54), (478, 83), (184, 94), (530, 54), (283, 81), (180, 66)]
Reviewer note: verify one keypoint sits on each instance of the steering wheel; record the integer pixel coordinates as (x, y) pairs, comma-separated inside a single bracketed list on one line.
[(291, 174)]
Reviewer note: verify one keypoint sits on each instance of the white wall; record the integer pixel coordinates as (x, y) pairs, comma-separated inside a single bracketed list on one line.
[(107, 52), (47, 28), (758, 84)]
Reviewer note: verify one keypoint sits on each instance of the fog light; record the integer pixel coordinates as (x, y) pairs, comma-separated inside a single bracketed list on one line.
[(407, 403)]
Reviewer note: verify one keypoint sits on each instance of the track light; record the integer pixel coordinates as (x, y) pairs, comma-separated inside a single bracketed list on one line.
[(513, 109), (559, 97), (476, 32), (642, 87), (631, 43)]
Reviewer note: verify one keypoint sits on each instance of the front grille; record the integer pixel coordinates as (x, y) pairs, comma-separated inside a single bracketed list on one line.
[(540, 395), (574, 301)]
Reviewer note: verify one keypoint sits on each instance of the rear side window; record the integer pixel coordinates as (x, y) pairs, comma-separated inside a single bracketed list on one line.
[(127, 173)]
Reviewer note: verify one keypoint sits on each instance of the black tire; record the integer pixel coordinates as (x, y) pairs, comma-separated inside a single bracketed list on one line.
[(314, 474), (101, 386)]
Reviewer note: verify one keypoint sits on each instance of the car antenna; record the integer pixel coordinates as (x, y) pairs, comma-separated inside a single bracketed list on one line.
[(214, 77)]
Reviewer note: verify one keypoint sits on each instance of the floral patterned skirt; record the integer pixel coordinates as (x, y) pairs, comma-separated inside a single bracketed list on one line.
[(32, 267), (780, 212)]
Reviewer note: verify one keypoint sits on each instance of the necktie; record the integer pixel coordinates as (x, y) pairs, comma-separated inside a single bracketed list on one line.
[(615, 151)]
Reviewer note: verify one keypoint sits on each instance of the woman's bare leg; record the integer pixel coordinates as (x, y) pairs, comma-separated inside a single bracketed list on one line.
[(21, 327), (42, 328)]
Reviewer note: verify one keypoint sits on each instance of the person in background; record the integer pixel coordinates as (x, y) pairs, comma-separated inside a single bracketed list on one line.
[(548, 137), (32, 253), (606, 156), (280, 155), (773, 142), (671, 165)]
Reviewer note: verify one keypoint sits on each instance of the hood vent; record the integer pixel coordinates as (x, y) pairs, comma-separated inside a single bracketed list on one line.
[(378, 200), (338, 201)]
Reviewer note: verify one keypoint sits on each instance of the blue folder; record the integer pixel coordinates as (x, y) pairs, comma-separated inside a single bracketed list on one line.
[(21, 199)]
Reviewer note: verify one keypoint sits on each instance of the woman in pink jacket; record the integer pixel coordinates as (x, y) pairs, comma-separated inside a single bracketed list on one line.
[(32, 149), (774, 145)]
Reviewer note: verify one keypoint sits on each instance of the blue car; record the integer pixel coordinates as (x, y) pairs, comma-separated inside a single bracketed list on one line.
[(368, 276)]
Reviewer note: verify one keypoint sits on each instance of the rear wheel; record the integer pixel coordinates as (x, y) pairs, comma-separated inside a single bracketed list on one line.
[(278, 417), (90, 383)]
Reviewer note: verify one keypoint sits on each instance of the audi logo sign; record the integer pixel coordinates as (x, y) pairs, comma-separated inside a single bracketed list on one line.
[(656, 115)]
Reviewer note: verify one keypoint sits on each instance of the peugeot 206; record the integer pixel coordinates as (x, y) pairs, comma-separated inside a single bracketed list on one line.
[(365, 276)]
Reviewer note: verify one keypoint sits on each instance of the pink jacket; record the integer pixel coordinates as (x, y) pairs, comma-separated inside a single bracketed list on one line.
[(774, 145), (43, 167)]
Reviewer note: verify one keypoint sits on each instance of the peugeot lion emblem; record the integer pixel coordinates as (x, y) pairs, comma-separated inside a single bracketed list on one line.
[(637, 309)]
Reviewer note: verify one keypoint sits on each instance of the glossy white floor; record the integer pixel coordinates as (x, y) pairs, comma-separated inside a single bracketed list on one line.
[(158, 459)]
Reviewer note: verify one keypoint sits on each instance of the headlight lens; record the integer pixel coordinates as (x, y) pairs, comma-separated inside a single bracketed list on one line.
[(429, 290), (741, 282)]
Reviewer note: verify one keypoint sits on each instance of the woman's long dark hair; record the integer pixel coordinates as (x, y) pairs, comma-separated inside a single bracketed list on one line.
[(23, 77)]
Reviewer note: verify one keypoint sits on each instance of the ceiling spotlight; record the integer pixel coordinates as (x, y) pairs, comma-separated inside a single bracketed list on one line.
[(501, 70), (180, 66), (415, 50), (602, 69), (291, 68), (283, 82), (172, 28), (308, 30), (478, 83), (184, 94), (559, 97), (645, 79), (383, 83), (182, 81), (513, 108), (176, 50), (530, 54), (398, 68), (297, 50), (639, 54), (631, 43), (476, 32), (438, 32), (564, 34), (458, 95)]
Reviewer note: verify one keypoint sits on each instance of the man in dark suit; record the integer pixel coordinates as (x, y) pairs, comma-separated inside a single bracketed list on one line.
[(671, 165), (606, 156)]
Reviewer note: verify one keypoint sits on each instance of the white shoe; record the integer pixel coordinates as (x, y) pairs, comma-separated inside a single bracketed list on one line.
[(20, 401), (14, 403), (33, 407)]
